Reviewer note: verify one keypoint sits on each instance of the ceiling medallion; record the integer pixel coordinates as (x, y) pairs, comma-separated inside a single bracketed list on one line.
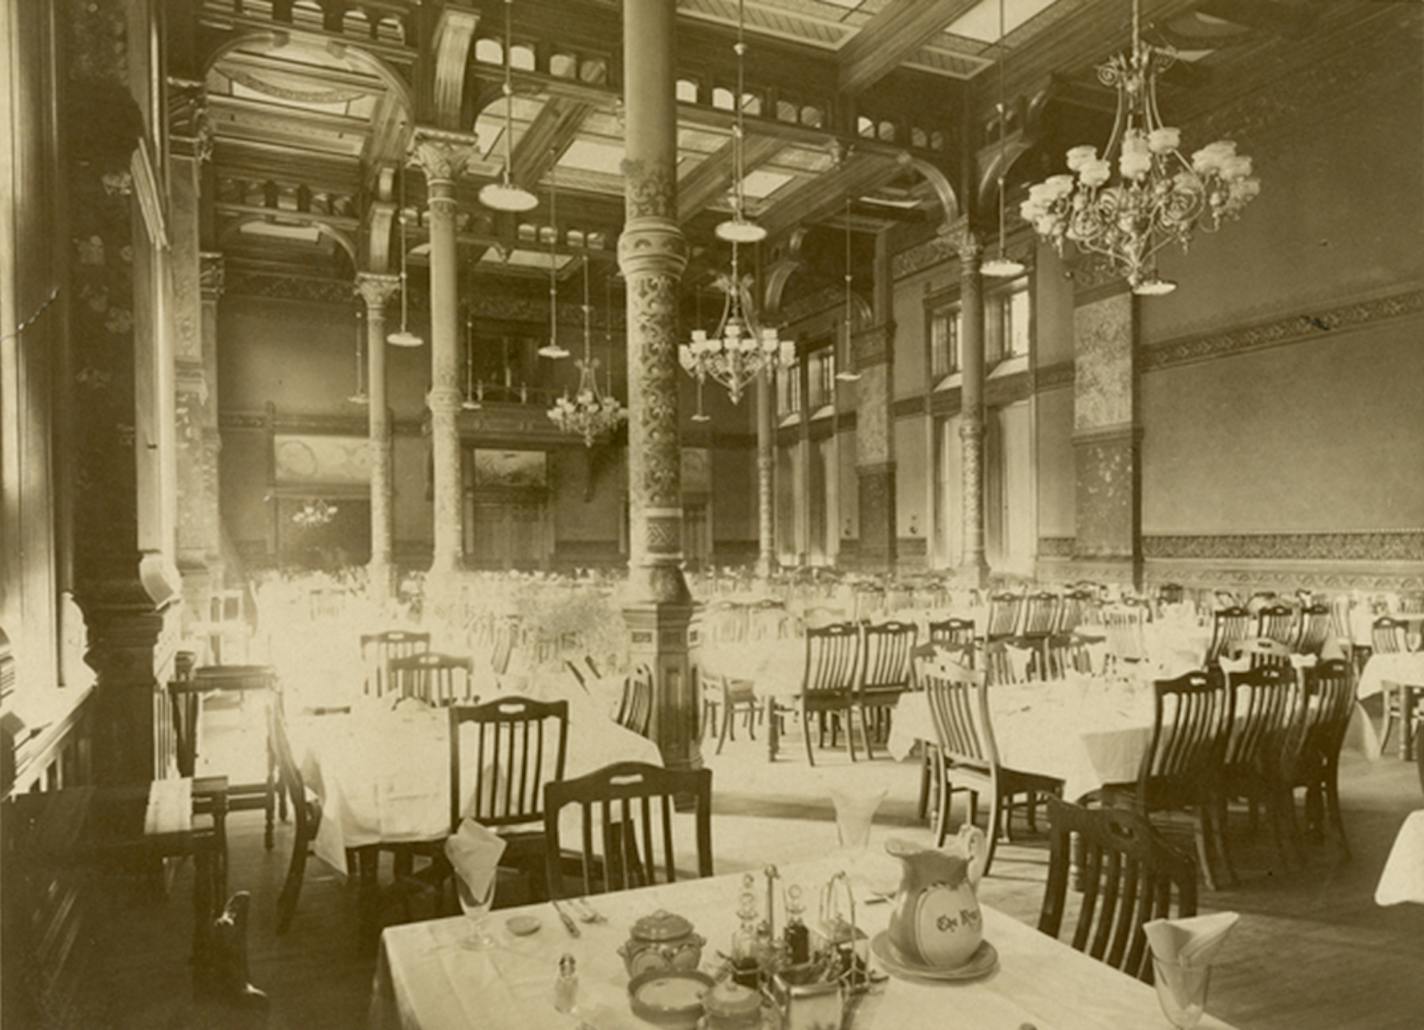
[(1158, 198)]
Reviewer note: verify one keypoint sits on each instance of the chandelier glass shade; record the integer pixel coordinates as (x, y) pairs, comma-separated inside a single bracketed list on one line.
[(314, 513), (741, 349), (1158, 197), (591, 412)]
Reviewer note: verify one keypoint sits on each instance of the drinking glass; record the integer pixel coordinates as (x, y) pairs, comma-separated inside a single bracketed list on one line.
[(855, 812), (1181, 991), (477, 912)]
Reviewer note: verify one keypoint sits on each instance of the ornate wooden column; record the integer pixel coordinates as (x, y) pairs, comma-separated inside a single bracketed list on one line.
[(875, 426), (376, 289), (442, 156), (973, 566), (766, 476), (652, 254), (1106, 435)]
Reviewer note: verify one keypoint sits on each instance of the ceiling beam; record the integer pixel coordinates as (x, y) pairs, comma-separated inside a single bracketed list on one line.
[(826, 194), (711, 179), (546, 139), (895, 32)]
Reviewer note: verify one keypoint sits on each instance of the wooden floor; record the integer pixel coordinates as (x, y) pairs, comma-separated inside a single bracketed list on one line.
[(1312, 949)]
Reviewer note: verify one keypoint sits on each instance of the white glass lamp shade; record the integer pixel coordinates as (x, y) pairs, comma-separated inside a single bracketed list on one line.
[(505, 196), (404, 338), (1154, 287), (739, 230), (1001, 268)]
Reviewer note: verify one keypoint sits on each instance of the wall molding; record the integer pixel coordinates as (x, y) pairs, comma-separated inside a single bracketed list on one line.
[(1360, 546), (1056, 546), (1281, 330), (1055, 376)]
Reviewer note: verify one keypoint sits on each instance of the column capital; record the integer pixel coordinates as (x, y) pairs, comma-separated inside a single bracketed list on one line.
[(211, 274), (440, 154), (189, 128), (376, 288)]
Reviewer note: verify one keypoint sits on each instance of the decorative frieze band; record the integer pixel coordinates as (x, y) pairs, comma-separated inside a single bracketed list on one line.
[(1294, 328), (1053, 377), (1373, 546), (933, 251)]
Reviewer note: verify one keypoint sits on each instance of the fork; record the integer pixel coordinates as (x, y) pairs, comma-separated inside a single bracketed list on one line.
[(586, 912)]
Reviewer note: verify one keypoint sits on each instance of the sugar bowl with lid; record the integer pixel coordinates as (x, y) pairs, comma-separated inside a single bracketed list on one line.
[(661, 940)]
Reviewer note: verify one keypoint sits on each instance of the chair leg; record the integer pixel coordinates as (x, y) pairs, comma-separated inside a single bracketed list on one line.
[(867, 716), (974, 807), (292, 886), (1199, 826), (995, 813), (1332, 803), (1033, 811), (806, 737), (752, 710), (726, 728), (1222, 845), (849, 715), (922, 807), (1285, 807)]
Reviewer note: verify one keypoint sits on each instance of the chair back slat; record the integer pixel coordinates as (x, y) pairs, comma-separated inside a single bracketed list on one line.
[(1277, 622), (1040, 614), (515, 739), (437, 679), (959, 708), (1264, 699), (952, 632), (635, 708), (833, 655), (1261, 652), (1389, 636), (1074, 610), (1316, 624), (624, 798), (1331, 704), (887, 647), (1125, 627), (1191, 716), (1004, 611), (1228, 625), (377, 650), (1128, 875)]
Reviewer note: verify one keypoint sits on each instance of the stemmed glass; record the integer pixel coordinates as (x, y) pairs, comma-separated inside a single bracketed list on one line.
[(477, 912), (1181, 991)]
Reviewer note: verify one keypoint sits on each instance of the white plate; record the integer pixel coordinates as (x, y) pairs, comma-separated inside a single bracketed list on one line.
[(983, 962)]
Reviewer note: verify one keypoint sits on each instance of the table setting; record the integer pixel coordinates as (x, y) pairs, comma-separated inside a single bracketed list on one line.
[(807, 946)]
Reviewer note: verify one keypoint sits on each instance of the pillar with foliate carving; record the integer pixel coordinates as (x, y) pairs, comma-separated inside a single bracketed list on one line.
[(376, 289), (766, 473), (442, 156), (652, 254), (974, 566)]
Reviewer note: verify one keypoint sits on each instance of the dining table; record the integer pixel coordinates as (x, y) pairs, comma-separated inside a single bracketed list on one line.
[(426, 980), (382, 772), (1395, 670)]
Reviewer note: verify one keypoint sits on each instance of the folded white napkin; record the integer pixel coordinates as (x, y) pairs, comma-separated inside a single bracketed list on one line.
[(474, 853), (1189, 942)]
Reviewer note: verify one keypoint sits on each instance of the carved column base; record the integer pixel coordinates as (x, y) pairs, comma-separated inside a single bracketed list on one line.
[(660, 636), (132, 641)]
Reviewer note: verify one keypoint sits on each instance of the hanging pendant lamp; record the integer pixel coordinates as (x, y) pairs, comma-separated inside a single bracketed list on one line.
[(551, 349), (471, 400), (1001, 266), (738, 228), (403, 337), (845, 370), (360, 396), (505, 194)]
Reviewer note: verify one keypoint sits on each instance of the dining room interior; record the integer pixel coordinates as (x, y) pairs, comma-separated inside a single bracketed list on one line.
[(732, 514)]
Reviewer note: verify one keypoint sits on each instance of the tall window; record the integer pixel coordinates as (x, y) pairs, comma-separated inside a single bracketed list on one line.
[(945, 325), (788, 389), (1008, 322), (821, 376)]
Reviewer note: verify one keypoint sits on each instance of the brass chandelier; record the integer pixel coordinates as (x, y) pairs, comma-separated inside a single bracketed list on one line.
[(590, 412), (1158, 198)]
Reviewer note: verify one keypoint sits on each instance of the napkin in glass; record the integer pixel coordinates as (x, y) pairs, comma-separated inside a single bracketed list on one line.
[(1191, 942), (474, 853)]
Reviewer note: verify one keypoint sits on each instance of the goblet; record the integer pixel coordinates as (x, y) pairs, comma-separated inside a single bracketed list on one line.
[(477, 912), (1181, 991)]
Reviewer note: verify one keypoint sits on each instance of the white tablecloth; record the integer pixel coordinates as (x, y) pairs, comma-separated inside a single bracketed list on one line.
[(1403, 876), (1405, 668), (424, 981), (1083, 731), (384, 776)]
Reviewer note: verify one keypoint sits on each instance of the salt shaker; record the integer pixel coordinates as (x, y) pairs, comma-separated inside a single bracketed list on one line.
[(566, 985)]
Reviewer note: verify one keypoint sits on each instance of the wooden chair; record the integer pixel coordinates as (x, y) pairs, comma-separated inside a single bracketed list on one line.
[(1261, 651), (1266, 701), (886, 671), (1125, 628), (1228, 625), (729, 697), (1261, 600), (306, 820), (437, 679), (1068, 653), (1170, 593), (952, 633), (829, 678), (576, 673), (1316, 627), (514, 758), (1003, 619), (377, 649), (1312, 759), (1128, 874), (1391, 636), (635, 707), (1040, 619), (615, 803), (1277, 622), (1181, 767), (966, 755), (187, 699), (1073, 610)]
